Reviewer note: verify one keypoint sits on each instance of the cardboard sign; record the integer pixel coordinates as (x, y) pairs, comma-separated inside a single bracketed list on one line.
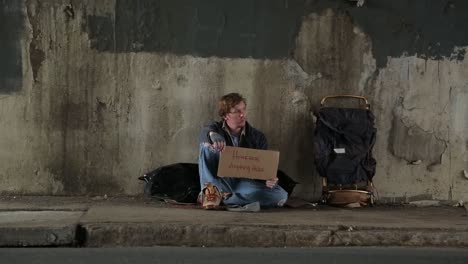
[(248, 163)]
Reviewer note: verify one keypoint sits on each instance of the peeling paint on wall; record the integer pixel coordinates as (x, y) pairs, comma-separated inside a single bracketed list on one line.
[(413, 144), (36, 54), (427, 29), (268, 28)]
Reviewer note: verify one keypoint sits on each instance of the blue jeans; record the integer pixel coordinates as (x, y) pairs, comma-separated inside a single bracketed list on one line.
[(243, 191)]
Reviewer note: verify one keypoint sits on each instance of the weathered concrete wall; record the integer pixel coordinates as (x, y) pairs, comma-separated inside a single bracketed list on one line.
[(95, 93)]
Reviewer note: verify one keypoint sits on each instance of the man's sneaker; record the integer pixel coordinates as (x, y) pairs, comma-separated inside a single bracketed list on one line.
[(251, 207), (211, 197)]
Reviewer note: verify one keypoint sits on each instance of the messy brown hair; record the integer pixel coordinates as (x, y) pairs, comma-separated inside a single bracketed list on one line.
[(228, 101)]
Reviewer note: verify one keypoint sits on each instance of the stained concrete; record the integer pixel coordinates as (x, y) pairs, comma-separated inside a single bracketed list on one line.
[(110, 91), (38, 228), (118, 222)]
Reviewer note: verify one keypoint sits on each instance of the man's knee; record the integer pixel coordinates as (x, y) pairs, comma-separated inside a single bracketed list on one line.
[(207, 152), (281, 202), (280, 198), (208, 148)]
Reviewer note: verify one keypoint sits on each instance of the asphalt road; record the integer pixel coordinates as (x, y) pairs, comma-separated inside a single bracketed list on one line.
[(181, 255)]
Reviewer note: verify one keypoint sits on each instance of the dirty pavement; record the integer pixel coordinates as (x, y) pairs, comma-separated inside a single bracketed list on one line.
[(134, 221)]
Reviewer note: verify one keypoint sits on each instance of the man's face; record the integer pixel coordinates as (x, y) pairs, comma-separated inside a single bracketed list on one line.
[(236, 116)]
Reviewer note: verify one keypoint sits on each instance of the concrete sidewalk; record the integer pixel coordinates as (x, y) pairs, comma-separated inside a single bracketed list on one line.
[(116, 222)]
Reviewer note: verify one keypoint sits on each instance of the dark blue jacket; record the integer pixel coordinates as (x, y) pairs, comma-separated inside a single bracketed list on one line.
[(252, 138)]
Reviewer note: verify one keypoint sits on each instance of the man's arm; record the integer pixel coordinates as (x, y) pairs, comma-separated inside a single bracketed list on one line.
[(218, 141), (205, 133), (210, 134)]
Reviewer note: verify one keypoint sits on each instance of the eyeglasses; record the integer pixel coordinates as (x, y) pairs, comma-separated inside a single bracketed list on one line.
[(238, 111)]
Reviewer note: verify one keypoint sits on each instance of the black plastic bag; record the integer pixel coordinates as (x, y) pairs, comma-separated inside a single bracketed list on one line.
[(180, 182), (286, 182)]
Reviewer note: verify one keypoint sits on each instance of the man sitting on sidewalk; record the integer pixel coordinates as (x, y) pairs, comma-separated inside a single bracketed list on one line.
[(233, 130)]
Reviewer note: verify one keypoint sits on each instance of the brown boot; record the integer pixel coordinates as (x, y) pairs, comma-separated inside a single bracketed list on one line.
[(211, 198)]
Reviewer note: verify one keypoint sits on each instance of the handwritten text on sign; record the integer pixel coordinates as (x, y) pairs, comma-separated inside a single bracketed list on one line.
[(248, 163)]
